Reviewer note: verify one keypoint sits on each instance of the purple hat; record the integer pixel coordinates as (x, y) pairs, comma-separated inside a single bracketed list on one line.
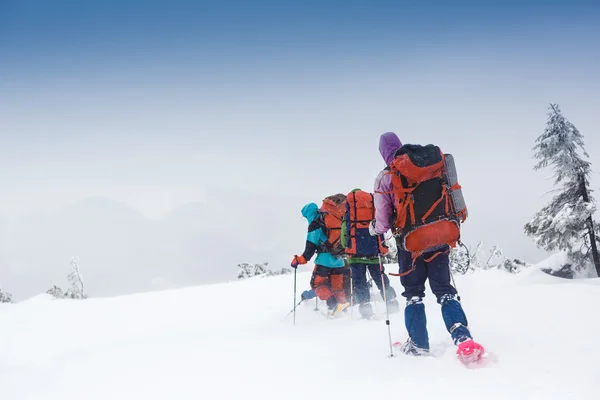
[(389, 144)]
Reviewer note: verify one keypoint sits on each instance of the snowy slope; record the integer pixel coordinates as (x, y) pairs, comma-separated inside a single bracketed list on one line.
[(230, 341)]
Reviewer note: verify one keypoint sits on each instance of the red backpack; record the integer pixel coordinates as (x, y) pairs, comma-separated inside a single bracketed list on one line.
[(429, 205), (360, 211), (332, 213)]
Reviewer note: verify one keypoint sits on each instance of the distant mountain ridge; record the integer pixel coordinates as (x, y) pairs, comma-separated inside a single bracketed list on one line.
[(122, 251)]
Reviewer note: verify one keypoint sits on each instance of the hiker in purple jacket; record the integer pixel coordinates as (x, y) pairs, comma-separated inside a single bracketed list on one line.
[(437, 270), (383, 197)]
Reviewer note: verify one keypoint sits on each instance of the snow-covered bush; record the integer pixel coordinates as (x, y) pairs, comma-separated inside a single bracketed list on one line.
[(565, 271), (76, 281), (282, 271), (56, 292), (514, 265), (463, 260), (460, 261), (392, 256), (495, 258), (5, 297), (247, 270)]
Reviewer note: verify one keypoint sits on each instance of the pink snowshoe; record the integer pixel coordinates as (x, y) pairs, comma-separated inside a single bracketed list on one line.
[(470, 351)]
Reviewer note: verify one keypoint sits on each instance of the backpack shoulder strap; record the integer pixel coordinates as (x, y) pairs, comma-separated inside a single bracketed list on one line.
[(316, 224)]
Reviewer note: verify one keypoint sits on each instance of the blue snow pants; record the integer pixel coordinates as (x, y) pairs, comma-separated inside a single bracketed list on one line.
[(437, 271), (359, 279)]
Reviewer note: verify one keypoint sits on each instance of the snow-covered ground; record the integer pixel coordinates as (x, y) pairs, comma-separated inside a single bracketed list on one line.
[(231, 341)]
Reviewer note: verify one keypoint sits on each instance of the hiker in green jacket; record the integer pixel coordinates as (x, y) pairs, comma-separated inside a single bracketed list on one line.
[(363, 252)]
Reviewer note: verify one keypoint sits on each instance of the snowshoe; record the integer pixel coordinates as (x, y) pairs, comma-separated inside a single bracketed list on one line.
[(366, 310), (409, 348), (469, 351), (339, 309)]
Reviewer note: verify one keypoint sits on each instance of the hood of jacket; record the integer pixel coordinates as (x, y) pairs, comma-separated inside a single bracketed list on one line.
[(389, 143), (310, 212)]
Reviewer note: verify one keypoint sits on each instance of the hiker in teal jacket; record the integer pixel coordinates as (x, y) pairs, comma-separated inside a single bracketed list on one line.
[(327, 278)]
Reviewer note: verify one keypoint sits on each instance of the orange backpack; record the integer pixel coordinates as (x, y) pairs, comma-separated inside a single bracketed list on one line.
[(428, 207), (332, 213), (359, 214)]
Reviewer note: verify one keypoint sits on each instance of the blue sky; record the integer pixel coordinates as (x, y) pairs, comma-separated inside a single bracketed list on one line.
[(159, 103), (85, 75), (120, 36)]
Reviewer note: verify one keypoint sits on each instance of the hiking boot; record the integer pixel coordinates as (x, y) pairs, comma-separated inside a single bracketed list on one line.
[(366, 310), (411, 349), (331, 303), (393, 306)]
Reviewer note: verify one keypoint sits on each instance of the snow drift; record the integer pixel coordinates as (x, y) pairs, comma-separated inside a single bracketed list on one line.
[(231, 341)]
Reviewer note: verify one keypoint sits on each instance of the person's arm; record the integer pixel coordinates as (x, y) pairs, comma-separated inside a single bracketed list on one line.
[(312, 244), (383, 198)]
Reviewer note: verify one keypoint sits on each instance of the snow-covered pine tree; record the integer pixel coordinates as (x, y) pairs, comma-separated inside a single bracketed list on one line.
[(566, 223)]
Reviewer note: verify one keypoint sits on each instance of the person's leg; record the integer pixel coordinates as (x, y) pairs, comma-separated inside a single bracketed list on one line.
[(359, 278), (452, 311), (361, 290), (336, 277), (347, 282), (390, 293), (438, 267), (414, 292), (318, 283)]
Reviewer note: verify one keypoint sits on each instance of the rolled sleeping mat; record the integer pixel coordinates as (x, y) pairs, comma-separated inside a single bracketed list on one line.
[(458, 200)]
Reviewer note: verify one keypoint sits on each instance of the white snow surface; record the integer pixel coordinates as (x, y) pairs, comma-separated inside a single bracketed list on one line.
[(231, 341)]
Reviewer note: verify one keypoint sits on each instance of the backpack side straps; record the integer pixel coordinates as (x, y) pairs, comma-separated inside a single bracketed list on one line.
[(414, 260), (438, 201), (412, 267)]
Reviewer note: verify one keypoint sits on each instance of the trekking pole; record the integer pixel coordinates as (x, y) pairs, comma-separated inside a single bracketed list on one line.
[(295, 270), (351, 295), (453, 282), (316, 303), (387, 312), (293, 309)]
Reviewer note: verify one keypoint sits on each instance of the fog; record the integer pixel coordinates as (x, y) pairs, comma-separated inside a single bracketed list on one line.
[(164, 165)]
